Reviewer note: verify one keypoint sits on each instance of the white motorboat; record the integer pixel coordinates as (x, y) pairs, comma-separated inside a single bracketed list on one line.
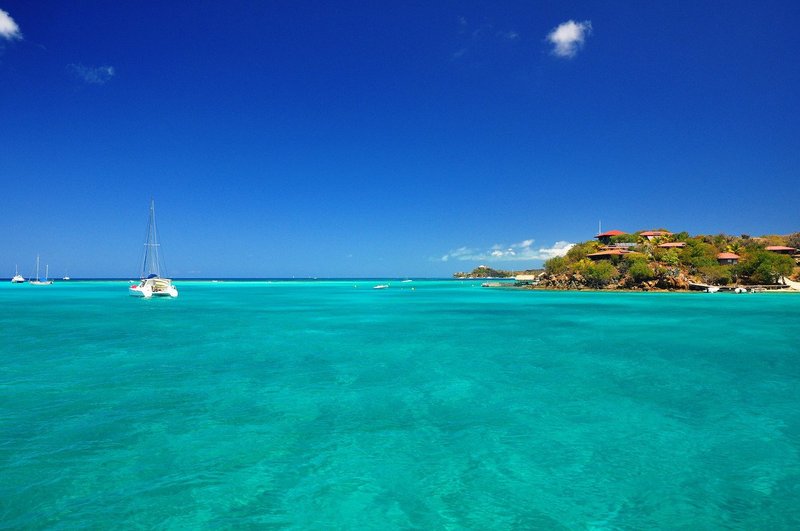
[(380, 286), (152, 284), (17, 278)]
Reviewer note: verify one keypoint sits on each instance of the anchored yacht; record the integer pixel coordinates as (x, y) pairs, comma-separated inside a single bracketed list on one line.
[(152, 284)]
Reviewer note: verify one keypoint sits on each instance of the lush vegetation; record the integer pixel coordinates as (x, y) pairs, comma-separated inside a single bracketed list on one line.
[(649, 266), (556, 266), (599, 274), (763, 267)]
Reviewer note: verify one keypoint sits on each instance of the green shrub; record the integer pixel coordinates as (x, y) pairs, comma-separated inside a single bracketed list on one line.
[(578, 252), (600, 274), (556, 265), (625, 238), (698, 254), (721, 240), (752, 245), (670, 258), (628, 260), (640, 271), (716, 274), (764, 267)]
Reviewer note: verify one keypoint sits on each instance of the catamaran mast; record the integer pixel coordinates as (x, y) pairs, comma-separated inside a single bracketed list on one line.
[(152, 264)]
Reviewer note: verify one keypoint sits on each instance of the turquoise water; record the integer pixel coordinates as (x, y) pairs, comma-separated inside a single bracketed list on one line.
[(332, 405)]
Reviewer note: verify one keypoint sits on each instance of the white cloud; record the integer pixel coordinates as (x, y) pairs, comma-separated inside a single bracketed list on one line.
[(97, 75), (559, 248), (8, 28), (521, 251), (568, 37)]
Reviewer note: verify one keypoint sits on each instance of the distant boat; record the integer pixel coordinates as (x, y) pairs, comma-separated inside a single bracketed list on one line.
[(380, 286), (152, 283), (407, 280), (17, 279), (38, 281)]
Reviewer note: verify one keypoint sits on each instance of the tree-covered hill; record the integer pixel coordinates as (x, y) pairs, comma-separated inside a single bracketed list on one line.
[(634, 261)]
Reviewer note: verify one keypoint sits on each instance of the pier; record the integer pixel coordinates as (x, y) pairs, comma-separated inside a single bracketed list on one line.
[(697, 286)]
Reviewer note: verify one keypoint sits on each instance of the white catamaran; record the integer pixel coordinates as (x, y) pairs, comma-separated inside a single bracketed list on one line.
[(152, 283)]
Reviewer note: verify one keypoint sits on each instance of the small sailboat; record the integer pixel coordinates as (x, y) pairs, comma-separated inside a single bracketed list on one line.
[(152, 284), (17, 278), (38, 281)]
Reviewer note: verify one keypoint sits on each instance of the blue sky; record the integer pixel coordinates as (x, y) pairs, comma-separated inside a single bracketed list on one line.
[(288, 139)]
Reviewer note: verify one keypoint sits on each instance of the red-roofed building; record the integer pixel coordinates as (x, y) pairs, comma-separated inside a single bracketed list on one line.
[(672, 245), (653, 234), (728, 259), (605, 237), (781, 249)]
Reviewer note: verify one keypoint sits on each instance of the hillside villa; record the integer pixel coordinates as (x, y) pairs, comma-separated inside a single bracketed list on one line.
[(728, 258)]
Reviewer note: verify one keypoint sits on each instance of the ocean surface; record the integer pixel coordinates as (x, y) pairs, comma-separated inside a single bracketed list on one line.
[(428, 405)]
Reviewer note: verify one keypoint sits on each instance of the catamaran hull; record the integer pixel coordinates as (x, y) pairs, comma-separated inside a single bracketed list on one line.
[(146, 294), (136, 291), (146, 291)]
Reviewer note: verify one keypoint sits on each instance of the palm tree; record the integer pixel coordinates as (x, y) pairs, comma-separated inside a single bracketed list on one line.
[(735, 247)]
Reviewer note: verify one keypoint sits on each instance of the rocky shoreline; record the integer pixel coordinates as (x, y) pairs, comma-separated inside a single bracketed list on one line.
[(675, 280)]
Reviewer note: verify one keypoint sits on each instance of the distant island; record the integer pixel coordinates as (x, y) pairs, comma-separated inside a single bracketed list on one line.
[(662, 260), (483, 271)]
